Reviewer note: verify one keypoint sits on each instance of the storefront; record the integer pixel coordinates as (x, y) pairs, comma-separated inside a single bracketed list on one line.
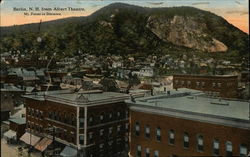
[(43, 144), (30, 139)]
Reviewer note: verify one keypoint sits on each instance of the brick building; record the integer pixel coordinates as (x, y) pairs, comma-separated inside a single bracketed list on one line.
[(225, 86), (95, 123), (17, 129), (188, 123)]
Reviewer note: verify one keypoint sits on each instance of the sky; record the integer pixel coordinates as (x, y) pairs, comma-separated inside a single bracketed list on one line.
[(234, 11)]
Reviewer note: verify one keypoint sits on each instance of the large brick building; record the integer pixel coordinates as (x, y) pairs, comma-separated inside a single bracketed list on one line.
[(92, 123), (225, 86), (188, 123)]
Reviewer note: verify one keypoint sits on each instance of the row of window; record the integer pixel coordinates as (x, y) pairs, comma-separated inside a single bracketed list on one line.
[(65, 118), (198, 84), (243, 150), (186, 138), (110, 130), (63, 134), (111, 142), (111, 148), (106, 117), (147, 152), (71, 119), (35, 113), (34, 127)]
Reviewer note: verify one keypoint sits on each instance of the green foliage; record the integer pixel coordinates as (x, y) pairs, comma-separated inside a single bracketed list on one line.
[(123, 34)]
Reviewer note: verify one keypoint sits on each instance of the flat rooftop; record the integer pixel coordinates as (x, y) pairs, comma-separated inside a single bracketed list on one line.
[(78, 98), (195, 102), (90, 97), (202, 75), (41, 95), (18, 120)]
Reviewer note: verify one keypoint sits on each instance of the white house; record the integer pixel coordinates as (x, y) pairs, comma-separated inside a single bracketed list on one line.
[(144, 72)]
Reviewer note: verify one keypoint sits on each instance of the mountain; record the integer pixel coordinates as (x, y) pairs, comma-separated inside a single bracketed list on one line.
[(127, 29)]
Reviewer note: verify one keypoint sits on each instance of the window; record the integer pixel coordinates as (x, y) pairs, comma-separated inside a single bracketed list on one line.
[(127, 127), (202, 84), (127, 114), (28, 111), (147, 152), (200, 143), (32, 113), (65, 118), (156, 153), (101, 146), (229, 148), (243, 150), (213, 84), (72, 119), (119, 144), (158, 134), (171, 137), (176, 81), (119, 128), (56, 115), (72, 137), (90, 136), (41, 128), (28, 124), (198, 84), (81, 139), (110, 143), (90, 120), (110, 116), (41, 114), (126, 139), (188, 83), (147, 131), (118, 114), (110, 130), (185, 140), (219, 85), (138, 150), (137, 129), (81, 122), (101, 118), (182, 83), (53, 115), (101, 132), (216, 146)]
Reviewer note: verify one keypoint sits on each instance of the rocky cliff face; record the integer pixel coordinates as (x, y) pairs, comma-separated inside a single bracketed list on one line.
[(184, 31)]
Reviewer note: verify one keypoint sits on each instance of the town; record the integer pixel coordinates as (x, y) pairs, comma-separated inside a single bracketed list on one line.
[(114, 106)]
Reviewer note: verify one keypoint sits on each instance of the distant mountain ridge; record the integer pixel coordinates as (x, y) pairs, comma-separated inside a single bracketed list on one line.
[(123, 29)]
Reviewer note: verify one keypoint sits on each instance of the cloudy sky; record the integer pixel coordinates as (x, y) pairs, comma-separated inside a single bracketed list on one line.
[(234, 11)]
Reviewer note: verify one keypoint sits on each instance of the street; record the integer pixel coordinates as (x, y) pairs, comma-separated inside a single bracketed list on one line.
[(10, 150)]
